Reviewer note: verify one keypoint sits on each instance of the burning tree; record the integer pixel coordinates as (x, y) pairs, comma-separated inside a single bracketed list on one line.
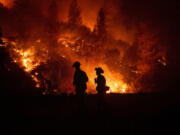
[(45, 48), (13, 79), (74, 14)]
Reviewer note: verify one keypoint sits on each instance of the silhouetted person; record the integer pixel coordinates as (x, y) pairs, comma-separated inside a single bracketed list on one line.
[(100, 81), (80, 80), (101, 88)]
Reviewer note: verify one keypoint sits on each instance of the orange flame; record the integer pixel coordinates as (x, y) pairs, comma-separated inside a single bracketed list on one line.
[(28, 61), (7, 3), (113, 80)]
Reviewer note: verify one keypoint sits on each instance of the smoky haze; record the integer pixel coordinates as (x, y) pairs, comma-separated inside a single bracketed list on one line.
[(138, 48)]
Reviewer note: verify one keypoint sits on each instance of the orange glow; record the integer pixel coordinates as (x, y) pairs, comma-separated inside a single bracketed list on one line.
[(68, 48), (36, 80), (27, 58), (125, 53), (7, 3), (113, 80)]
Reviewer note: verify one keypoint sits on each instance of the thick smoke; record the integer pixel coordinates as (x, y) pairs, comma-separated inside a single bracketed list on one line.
[(134, 47)]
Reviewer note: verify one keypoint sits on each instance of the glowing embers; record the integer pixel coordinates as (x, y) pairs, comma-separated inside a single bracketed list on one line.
[(38, 83), (117, 87), (27, 58), (162, 61), (70, 40), (116, 84), (113, 80)]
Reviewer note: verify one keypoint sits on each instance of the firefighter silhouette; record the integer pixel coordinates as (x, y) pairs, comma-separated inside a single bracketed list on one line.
[(80, 79), (101, 88), (100, 81)]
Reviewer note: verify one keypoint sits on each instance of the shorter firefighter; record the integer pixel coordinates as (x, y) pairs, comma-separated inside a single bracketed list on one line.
[(101, 88)]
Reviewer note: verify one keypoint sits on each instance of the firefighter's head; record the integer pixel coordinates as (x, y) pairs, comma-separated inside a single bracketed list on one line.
[(76, 65), (99, 71)]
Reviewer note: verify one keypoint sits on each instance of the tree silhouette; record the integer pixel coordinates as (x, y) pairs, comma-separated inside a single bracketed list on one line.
[(13, 80), (53, 11), (100, 28), (75, 14)]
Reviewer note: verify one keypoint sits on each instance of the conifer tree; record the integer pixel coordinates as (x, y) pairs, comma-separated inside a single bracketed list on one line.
[(100, 28), (53, 12), (75, 14)]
